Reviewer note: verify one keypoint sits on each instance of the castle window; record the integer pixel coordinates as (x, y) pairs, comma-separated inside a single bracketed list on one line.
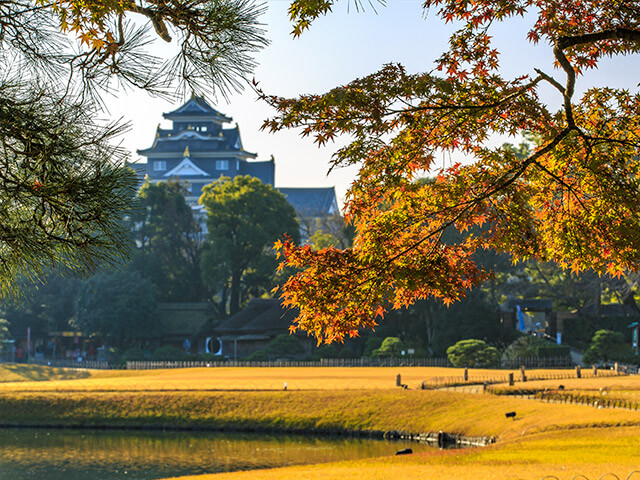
[(222, 164), (159, 165)]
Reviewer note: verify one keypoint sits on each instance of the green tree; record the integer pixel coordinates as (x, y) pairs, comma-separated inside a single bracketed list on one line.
[(390, 347), (607, 346), (4, 333), (320, 240), (472, 353), (118, 307), (169, 242), (244, 219), (44, 307), (64, 182)]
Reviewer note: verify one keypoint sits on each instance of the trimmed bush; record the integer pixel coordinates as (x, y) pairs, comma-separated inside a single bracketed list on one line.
[(135, 355), (170, 353), (472, 353), (391, 347)]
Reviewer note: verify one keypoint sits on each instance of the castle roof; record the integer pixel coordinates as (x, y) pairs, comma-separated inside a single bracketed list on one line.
[(312, 201), (199, 108)]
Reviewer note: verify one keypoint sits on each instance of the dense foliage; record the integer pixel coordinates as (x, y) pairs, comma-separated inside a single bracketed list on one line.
[(64, 182), (119, 307), (4, 333), (244, 219), (608, 346), (530, 346), (472, 353), (390, 347), (169, 242), (572, 199)]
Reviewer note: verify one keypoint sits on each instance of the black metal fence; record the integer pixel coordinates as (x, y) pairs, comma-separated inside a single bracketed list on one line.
[(69, 363), (528, 362), (514, 364), (325, 362)]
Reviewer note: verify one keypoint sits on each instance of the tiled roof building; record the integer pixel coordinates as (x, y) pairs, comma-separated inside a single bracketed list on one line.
[(198, 149)]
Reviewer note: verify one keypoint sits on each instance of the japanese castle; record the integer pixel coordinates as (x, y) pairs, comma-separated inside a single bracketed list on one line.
[(198, 150)]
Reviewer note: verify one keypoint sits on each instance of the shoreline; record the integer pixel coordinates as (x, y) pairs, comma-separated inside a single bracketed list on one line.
[(440, 439)]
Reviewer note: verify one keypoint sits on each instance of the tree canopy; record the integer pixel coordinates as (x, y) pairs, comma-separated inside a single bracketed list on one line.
[(244, 219), (169, 242), (119, 307), (472, 353), (64, 183), (572, 199), (606, 346)]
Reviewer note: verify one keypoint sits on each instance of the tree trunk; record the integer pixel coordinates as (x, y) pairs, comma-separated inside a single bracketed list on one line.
[(234, 304)]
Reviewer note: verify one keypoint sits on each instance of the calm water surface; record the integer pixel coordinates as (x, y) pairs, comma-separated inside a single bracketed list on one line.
[(107, 455)]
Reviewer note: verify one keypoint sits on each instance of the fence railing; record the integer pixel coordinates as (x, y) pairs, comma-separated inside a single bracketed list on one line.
[(537, 362), (70, 363), (524, 375), (602, 400), (527, 362), (325, 362)]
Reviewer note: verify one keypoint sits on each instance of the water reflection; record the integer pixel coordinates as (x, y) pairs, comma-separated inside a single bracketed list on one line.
[(106, 455)]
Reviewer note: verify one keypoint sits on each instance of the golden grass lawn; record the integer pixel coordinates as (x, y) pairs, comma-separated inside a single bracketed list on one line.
[(245, 378), (564, 455), (545, 439)]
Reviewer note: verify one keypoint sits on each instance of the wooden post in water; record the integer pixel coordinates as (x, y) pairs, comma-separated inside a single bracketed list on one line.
[(398, 380), (595, 370), (466, 374), (578, 372), (523, 374), (511, 379)]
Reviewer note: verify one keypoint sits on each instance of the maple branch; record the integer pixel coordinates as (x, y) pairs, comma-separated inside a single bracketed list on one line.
[(550, 79), (469, 204), (571, 82), (618, 33), (495, 104), (563, 183)]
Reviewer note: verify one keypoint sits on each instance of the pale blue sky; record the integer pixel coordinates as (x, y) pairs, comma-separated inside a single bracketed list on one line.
[(338, 48)]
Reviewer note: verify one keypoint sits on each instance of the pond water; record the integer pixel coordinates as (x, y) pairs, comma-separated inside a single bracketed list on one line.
[(135, 455)]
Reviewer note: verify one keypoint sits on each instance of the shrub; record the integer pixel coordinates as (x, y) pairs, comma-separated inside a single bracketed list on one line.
[(347, 353), (284, 346), (372, 344), (391, 347), (258, 356), (170, 353), (607, 345), (210, 357), (135, 355), (325, 351), (472, 353), (530, 346)]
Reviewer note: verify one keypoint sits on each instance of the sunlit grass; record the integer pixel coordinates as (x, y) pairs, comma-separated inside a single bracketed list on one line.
[(544, 439), (627, 386), (565, 454), (246, 378), (19, 372), (346, 410)]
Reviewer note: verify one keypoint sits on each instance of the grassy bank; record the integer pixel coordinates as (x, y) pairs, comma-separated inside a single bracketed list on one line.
[(563, 455), (545, 439), (324, 410), (28, 378)]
